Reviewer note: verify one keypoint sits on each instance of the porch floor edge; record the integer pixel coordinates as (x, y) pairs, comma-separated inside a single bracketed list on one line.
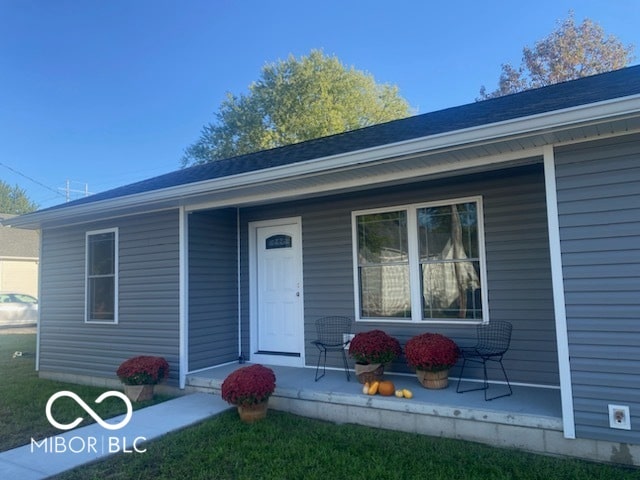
[(528, 407)]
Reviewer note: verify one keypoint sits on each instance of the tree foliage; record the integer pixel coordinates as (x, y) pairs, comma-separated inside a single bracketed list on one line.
[(14, 200), (569, 52), (293, 101)]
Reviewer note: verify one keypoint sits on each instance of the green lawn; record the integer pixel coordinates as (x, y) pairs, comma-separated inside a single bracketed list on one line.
[(283, 446), (23, 396)]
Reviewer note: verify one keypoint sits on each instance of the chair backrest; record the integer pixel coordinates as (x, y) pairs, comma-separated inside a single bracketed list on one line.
[(494, 337), (330, 330)]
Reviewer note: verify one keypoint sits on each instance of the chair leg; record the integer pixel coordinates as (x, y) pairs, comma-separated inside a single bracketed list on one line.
[(464, 362), (324, 368), (508, 384), (484, 385), (346, 365)]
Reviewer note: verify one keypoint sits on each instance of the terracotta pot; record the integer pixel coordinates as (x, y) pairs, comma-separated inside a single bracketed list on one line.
[(253, 413), (433, 380), (139, 393), (369, 372)]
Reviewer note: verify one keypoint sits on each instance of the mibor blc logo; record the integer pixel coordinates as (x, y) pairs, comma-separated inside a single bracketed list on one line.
[(88, 444), (89, 410)]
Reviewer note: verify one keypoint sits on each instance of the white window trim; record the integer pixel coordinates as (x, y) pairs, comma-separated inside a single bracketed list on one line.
[(115, 277), (414, 265)]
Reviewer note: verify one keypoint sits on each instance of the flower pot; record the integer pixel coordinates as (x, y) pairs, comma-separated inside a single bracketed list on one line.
[(253, 413), (433, 380), (139, 393), (369, 372)]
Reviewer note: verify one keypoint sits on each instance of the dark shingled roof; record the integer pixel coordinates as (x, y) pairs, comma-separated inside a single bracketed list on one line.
[(607, 86)]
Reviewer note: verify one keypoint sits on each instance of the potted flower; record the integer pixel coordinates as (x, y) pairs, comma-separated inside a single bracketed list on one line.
[(371, 350), (139, 375), (249, 388), (432, 355)]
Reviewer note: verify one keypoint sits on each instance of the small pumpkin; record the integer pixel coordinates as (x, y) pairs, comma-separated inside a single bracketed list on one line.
[(386, 388)]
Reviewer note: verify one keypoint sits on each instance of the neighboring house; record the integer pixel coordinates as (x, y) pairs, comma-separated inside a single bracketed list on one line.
[(19, 254), (523, 208)]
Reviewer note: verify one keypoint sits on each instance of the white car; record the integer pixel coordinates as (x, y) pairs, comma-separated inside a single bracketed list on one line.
[(18, 309)]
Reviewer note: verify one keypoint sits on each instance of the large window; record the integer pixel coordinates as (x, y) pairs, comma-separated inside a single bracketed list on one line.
[(102, 276), (421, 262)]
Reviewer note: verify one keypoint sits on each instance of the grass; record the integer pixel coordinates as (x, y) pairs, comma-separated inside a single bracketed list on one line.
[(285, 446), (23, 396)]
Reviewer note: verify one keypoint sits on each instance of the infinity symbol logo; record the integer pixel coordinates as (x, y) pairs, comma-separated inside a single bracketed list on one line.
[(89, 410)]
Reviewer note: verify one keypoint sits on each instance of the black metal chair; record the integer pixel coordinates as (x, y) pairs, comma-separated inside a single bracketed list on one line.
[(493, 342), (332, 335)]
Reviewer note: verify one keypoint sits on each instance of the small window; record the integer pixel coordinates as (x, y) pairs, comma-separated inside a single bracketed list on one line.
[(278, 241), (102, 276)]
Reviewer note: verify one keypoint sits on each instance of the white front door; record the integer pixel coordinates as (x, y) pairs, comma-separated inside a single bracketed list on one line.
[(277, 313)]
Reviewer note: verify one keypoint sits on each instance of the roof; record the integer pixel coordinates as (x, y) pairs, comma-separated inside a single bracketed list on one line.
[(498, 111), (18, 243)]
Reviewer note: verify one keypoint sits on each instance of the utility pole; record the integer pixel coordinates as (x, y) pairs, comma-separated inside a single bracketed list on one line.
[(68, 190)]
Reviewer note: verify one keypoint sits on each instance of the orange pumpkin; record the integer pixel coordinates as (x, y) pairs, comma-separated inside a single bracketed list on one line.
[(386, 388)]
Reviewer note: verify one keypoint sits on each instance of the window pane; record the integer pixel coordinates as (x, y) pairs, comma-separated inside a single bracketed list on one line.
[(451, 290), (448, 232), (385, 291), (382, 238), (101, 298), (277, 241), (102, 254)]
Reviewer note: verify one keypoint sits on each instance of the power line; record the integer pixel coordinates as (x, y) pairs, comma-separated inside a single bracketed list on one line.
[(31, 179)]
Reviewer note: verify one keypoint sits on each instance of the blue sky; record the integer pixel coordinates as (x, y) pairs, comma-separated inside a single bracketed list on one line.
[(105, 93)]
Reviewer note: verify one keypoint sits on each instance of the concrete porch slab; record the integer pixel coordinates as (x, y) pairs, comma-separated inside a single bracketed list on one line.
[(527, 407)]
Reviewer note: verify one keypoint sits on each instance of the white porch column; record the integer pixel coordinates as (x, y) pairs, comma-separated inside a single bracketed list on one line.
[(183, 299), (557, 279)]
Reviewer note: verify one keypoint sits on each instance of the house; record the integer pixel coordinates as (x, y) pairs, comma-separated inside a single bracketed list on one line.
[(523, 208), (19, 256)]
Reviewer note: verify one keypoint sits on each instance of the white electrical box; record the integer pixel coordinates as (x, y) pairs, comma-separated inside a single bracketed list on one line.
[(619, 417)]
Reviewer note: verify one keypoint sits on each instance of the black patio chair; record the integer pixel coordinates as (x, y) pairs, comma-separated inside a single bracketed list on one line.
[(331, 337), (493, 342)]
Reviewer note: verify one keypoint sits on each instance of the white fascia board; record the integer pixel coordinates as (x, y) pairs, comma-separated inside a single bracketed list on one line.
[(520, 126)]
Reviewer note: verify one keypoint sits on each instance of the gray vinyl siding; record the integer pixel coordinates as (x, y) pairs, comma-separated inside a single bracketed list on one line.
[(148, 297), (599, 213), (213, 287), (518, 262)]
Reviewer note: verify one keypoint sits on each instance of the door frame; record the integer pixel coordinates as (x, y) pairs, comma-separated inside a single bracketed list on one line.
[(285, 360)]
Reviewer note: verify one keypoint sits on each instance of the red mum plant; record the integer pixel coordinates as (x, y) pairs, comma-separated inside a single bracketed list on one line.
[(249, 385), (374, 346), (143, 370), (432, 352)]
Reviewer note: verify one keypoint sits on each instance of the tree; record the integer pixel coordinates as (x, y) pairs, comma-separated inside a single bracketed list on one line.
[(293, 101), (14, 200), (569, 52)]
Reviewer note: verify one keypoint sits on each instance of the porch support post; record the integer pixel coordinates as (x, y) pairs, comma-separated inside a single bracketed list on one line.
[(183, 246), (557, 279), (39, 322), (239, 284)]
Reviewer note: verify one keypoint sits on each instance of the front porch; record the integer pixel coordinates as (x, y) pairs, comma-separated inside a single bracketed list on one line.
[(530, 419)]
